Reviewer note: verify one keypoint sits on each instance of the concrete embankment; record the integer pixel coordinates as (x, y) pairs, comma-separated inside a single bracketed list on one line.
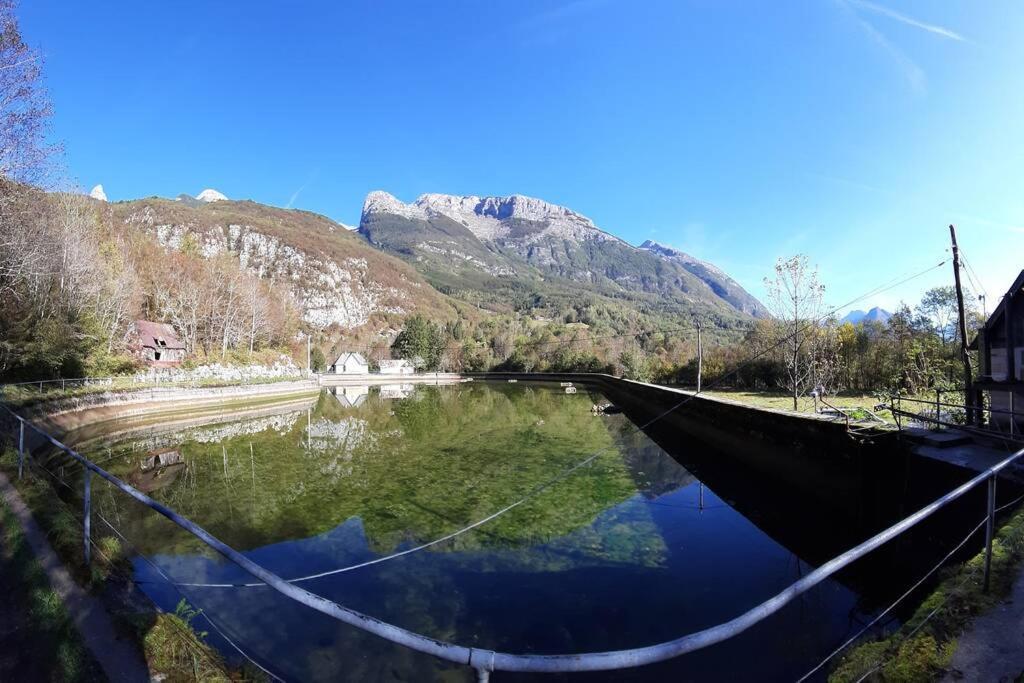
[(813, 454), (706, 416), (65, 414), (62, 415), (376, 379)]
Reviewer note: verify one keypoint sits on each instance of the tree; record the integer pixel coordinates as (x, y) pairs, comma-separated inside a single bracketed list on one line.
[(795, 298), (25, 113), (317, 360), (939, 305), (421, 343), (25, 108), (635, 365)]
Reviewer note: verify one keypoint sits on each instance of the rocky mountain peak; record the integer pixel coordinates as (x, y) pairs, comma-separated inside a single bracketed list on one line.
[(98, 193), (490, 218), (380, 202), (658, 248), (211, 195)]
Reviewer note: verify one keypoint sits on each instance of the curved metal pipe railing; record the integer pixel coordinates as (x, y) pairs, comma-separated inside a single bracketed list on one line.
[(485, 661)]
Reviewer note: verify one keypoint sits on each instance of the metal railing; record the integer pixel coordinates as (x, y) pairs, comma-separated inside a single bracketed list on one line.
[(57, 387), (1016, 418), (848, 414), (484, 661)]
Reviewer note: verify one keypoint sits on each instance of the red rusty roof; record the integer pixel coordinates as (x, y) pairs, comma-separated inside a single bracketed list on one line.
[(151, 335)]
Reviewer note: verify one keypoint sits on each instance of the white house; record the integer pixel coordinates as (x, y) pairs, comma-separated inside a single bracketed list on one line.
[(351, 397), (396, 367), (350, 364)]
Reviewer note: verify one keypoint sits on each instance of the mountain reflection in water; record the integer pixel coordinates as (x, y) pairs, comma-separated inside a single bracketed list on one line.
[(626, 551)]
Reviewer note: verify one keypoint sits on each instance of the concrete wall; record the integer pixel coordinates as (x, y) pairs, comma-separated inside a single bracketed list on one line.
[(69, 413), (807, 453), (367, 379)]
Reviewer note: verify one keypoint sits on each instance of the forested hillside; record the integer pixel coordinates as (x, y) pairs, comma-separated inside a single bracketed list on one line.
[(450, 282)]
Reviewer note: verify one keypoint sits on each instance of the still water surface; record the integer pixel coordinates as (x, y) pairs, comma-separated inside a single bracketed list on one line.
[(627, 550)]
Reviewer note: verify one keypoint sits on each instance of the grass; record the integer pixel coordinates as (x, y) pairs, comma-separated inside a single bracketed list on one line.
[(920, 650), (779, 400), (174, 648), (40, 641), (171, 647)]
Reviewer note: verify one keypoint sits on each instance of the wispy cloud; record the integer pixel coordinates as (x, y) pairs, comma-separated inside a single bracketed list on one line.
[(909, 21), (295, 195), (556, 21), (566, 11), (911, 71), (971, 218)]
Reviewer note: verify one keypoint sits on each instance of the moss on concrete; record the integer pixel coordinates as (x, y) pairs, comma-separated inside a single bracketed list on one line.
[(921, 649)]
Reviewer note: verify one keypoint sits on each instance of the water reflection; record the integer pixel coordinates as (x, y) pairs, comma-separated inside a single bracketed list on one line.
[(625, 550), (158, 469), (350, 396)]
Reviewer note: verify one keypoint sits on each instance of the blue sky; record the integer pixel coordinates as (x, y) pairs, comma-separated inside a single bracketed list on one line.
[(739, 131)]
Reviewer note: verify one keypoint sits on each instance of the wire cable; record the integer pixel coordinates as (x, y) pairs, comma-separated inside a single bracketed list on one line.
[(688, 397), (892, 606), (924, 621), (160, 572), (634, 429)]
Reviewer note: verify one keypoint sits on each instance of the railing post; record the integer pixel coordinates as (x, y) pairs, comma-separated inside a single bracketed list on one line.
[(938, 408), (990, 521), (1013, 415), (483, 662), (21, 445), (87, 514), (895, 415)]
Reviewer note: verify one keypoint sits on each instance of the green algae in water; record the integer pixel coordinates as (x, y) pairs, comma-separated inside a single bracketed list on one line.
[(626, 550), (412, 469)]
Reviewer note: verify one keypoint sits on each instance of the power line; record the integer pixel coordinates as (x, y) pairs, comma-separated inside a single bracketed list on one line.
[(976, 280), (635, 428), (892, 606), (886, 286)]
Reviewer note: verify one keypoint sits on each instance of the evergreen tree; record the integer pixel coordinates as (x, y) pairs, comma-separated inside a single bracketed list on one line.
[(421, 343)]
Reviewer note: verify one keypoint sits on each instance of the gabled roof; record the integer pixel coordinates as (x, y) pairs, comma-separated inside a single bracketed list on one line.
[(157, 335), (397, 363), (357, 357), (996, 314)]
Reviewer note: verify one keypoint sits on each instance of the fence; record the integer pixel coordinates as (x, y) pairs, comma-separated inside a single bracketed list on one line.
[(955, 416), (21, 392), (484, 661)]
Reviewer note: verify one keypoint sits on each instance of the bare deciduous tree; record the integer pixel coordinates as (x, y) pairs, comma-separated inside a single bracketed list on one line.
[(25, 108), (795, 297)]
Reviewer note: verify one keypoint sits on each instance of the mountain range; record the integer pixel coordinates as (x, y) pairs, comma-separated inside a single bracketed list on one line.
[(876, 314), (450, 256), (497, 251)]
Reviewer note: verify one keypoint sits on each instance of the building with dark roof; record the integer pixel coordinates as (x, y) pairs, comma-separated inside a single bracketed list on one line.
[(155, 344), (1000, 346)]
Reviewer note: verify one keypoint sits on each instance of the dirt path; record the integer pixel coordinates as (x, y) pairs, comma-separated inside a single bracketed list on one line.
[(993, 648), (119, 659)]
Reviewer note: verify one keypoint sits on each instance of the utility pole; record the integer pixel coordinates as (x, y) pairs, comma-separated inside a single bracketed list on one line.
[(700, 357), (968, 375), (308, 368)]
